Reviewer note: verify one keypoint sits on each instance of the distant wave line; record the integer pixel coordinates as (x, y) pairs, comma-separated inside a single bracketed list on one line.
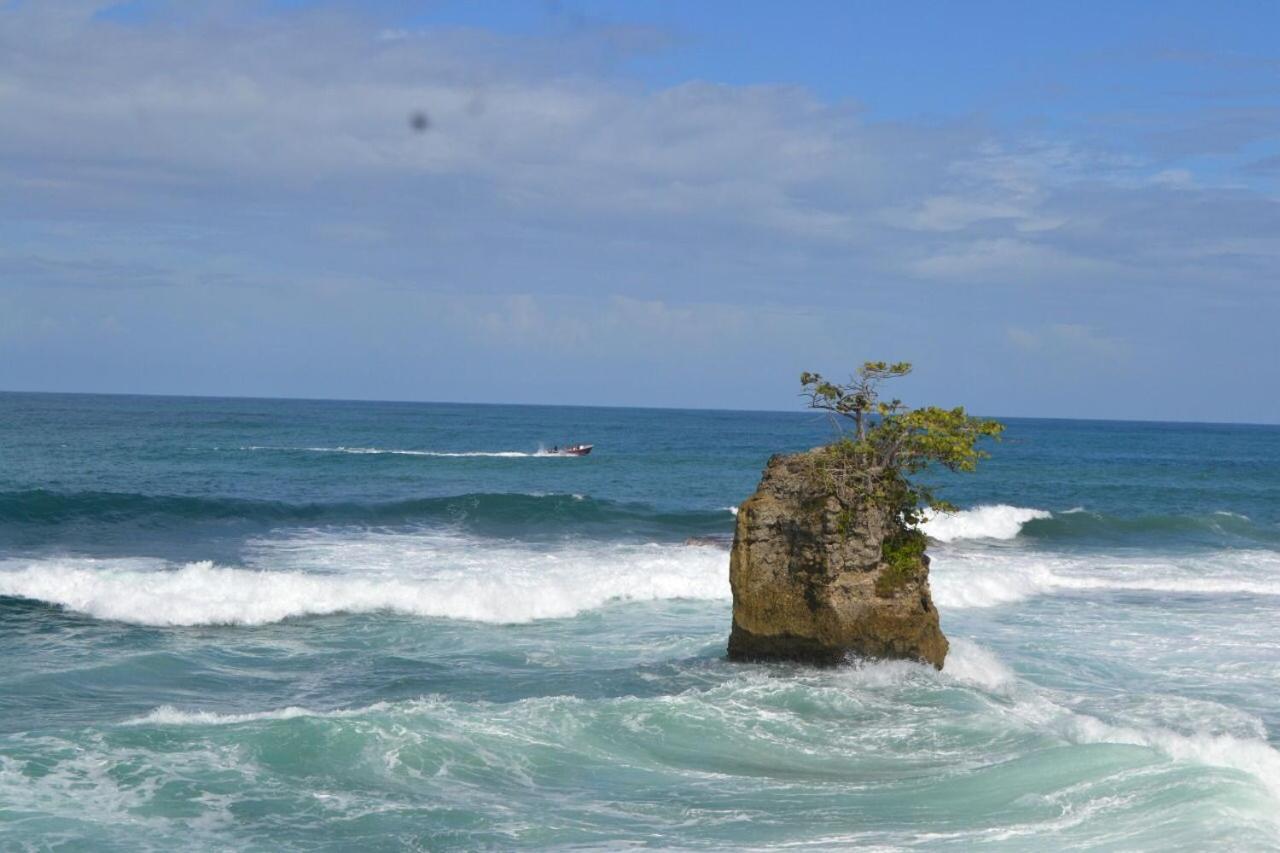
[(503, 514)]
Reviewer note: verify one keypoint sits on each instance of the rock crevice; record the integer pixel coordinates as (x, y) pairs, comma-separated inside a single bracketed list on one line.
[(811, 581)]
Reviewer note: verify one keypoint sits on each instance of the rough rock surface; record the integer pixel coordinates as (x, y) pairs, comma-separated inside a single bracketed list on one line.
[(804, 571)]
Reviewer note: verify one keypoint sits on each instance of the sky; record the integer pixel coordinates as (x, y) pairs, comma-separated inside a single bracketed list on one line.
[(1051, 209)]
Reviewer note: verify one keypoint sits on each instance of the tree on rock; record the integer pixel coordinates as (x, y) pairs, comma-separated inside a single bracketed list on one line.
[(892, 441), (859, 397), (828, 558)]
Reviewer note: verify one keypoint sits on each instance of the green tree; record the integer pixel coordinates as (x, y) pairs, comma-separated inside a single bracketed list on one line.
[(859, 397), (891, 442), (877, 464)]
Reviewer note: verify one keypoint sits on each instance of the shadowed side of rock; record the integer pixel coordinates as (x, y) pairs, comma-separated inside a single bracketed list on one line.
[(811, 581)]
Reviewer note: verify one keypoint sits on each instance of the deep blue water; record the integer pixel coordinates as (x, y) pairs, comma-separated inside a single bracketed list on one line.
[(267, 624)]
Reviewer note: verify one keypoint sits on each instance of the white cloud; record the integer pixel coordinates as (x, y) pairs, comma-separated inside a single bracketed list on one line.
[(138, 116), (555, 211), (1068, 341)]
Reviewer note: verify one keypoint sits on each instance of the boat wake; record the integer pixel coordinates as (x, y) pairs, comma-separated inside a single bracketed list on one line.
[(380, 451)]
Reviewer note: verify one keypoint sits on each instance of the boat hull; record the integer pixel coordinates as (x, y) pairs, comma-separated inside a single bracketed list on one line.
[(574, 450)]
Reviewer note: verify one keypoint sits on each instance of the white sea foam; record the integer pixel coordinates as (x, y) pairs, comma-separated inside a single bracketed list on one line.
[(753, 695), (1230, 514), (167, 715), (998, 521), (453, 576), (431, 576), (1254, 757), (983, 580), (970, 663), (986, 577)]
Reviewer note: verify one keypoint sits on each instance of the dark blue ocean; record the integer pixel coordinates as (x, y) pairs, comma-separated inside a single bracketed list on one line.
[(234, 624)]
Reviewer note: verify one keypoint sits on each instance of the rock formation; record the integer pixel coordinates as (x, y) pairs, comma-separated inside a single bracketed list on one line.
[(817, 577)]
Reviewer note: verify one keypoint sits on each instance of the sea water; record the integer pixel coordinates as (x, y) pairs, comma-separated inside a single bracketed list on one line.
[(302, 625)]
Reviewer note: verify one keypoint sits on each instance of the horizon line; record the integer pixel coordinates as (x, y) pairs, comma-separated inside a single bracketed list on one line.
[(591, 406)]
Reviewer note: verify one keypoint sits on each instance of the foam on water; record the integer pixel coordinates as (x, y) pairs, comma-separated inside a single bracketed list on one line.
[(449, 575), (317, 574), (977, 577), (1121, 696), (1252, 756), (971, 664), (1256, 758), (998, 521), (836, 743), (778, 714), (167, 715)]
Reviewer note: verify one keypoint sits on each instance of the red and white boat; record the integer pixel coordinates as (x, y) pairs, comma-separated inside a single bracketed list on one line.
[(571, 450)]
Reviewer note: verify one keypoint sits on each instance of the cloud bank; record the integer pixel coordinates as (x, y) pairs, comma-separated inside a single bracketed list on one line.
[(199, 197)]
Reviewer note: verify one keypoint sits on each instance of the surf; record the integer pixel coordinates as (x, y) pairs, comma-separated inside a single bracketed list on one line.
[(977, 577), (999, 521), (444, 577)]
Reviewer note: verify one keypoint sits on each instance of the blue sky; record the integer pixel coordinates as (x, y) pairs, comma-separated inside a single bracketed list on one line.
[(1052, 209)]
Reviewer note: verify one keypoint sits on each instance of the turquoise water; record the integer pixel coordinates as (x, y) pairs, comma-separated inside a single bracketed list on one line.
[(300, 625)]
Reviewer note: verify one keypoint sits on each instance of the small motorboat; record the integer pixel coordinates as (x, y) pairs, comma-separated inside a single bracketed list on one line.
[(571, 450)]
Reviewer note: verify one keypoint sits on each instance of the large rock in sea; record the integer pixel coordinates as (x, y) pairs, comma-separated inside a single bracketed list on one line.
[(811, 581)]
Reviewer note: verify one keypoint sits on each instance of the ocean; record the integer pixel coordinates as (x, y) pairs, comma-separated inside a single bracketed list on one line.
[(232, 624)]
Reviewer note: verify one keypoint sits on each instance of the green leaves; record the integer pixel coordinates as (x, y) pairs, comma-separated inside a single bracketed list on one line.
[(948, 437), (900, 442)]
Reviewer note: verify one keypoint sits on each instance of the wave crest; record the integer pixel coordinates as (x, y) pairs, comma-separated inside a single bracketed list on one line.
[(993, 521), (167, 715), (504, 586), (1078, 524), (963, 579)]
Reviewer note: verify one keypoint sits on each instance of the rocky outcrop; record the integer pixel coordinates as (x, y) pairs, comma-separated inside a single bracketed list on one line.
[(813, 580)]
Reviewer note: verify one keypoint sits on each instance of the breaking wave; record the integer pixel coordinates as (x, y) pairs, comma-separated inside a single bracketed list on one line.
[(441, 578), (1079, 525), (962, 579), (999, 521)]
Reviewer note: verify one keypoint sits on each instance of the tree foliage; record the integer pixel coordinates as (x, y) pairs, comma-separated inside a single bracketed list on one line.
[(891, 442)]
